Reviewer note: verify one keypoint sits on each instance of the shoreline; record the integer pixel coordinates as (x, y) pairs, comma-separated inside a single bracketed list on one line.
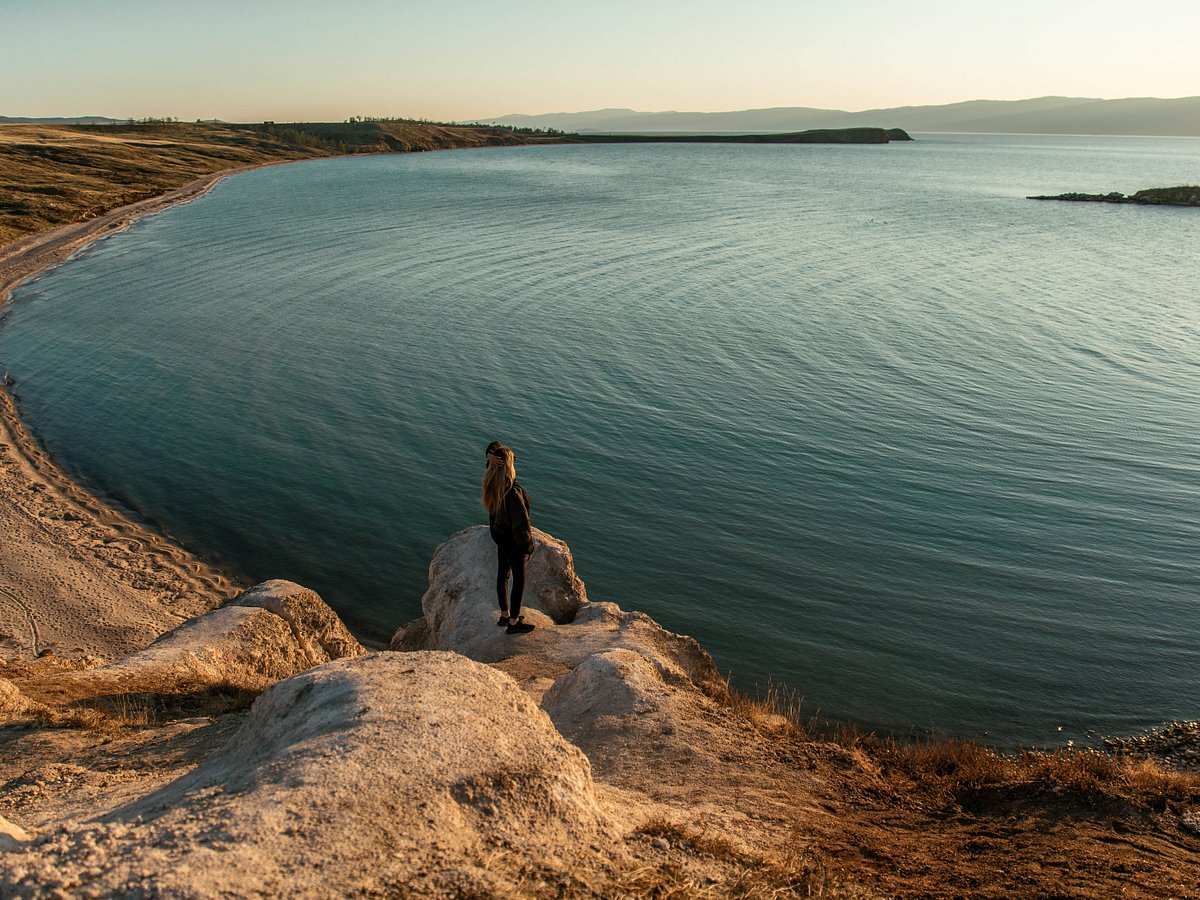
[(79, 576), (74, 556), (29, 257)]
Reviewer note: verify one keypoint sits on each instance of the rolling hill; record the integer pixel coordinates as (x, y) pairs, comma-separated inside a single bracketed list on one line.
[(1042, 115)]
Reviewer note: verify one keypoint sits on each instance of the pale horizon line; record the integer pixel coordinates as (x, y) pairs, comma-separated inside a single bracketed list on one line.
[(630, 109)]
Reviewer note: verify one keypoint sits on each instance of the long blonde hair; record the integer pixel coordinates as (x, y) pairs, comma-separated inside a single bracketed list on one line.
[(498, 478)]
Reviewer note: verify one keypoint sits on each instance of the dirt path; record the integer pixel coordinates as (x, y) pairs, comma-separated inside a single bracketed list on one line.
[(35, 638)]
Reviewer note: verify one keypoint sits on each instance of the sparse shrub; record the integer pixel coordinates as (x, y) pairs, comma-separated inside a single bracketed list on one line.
[(948, 769), (144, 709), (1087, 771), (778, 709), (742, 873), (952, 763)]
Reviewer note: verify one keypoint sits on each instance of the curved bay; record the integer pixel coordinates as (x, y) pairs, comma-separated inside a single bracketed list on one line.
[(861, 419)]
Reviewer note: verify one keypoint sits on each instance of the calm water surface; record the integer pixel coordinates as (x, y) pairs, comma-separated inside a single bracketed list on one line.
[(862, 420)]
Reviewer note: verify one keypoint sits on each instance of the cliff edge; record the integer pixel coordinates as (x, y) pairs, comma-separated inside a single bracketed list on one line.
[(598, 756), (466, 762)]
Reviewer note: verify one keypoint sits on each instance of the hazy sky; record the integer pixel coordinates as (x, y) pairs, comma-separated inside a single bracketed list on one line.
[(455, 59)]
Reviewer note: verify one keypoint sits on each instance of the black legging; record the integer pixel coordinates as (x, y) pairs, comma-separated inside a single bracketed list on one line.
[(510, 559)]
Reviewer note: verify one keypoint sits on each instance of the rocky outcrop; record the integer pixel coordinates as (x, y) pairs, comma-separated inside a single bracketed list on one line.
[(422, 773), (615, 703), (413, 773), (270, 632), (610, 680), (318, 631), (410, 774), (591, 758), (14, 704), (1183, 195), (460, 615)]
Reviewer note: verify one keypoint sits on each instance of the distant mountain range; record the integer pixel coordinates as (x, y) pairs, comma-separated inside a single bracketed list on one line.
[(1043, 115)]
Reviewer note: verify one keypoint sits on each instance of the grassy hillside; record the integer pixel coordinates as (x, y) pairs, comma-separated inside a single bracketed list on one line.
[(57, 174)]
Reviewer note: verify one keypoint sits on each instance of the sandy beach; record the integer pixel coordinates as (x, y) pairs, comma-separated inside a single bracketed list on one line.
[(77, 576)]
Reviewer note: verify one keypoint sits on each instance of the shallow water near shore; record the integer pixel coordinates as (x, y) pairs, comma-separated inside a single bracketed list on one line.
[(862, 420)]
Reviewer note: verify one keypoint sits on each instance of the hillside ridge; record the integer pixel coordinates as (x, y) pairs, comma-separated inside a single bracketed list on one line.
[(1039, 115)]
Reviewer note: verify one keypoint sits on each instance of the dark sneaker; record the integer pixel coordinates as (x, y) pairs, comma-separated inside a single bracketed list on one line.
[(502, 621), (519, 626)]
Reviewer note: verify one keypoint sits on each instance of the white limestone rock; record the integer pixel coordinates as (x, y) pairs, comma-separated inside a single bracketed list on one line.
[(399, 774), (615, 683), (317, 629), (12, 835), (617, 707), (268, 633), (461, 609)]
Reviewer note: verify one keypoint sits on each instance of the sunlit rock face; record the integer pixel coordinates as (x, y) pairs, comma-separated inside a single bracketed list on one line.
[(269, 632), (413, 774), (461, 611)]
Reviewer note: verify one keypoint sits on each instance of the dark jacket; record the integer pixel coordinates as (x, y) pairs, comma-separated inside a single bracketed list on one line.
[(510, 527)]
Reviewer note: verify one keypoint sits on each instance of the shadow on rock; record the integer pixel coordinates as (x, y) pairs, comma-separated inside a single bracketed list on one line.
[(416, 773)]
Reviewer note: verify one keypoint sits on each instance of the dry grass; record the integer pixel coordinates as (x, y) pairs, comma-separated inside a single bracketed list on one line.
[(779, 709), (55, 175), (944, 765), (1146, 781), (90, 718), (711, 866), (956, 769), (47, 665), (949, 769), (143, 709)]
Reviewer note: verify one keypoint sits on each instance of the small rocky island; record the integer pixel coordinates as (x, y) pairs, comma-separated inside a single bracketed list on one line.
[(1183, 195)]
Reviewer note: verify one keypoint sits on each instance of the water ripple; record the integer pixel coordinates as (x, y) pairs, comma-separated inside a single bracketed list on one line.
[(864, 422)]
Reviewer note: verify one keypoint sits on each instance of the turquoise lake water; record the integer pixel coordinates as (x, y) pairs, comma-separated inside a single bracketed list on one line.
[(861, 419)]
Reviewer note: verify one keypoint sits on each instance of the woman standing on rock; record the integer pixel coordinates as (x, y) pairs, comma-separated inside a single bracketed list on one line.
[(508, 519)]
